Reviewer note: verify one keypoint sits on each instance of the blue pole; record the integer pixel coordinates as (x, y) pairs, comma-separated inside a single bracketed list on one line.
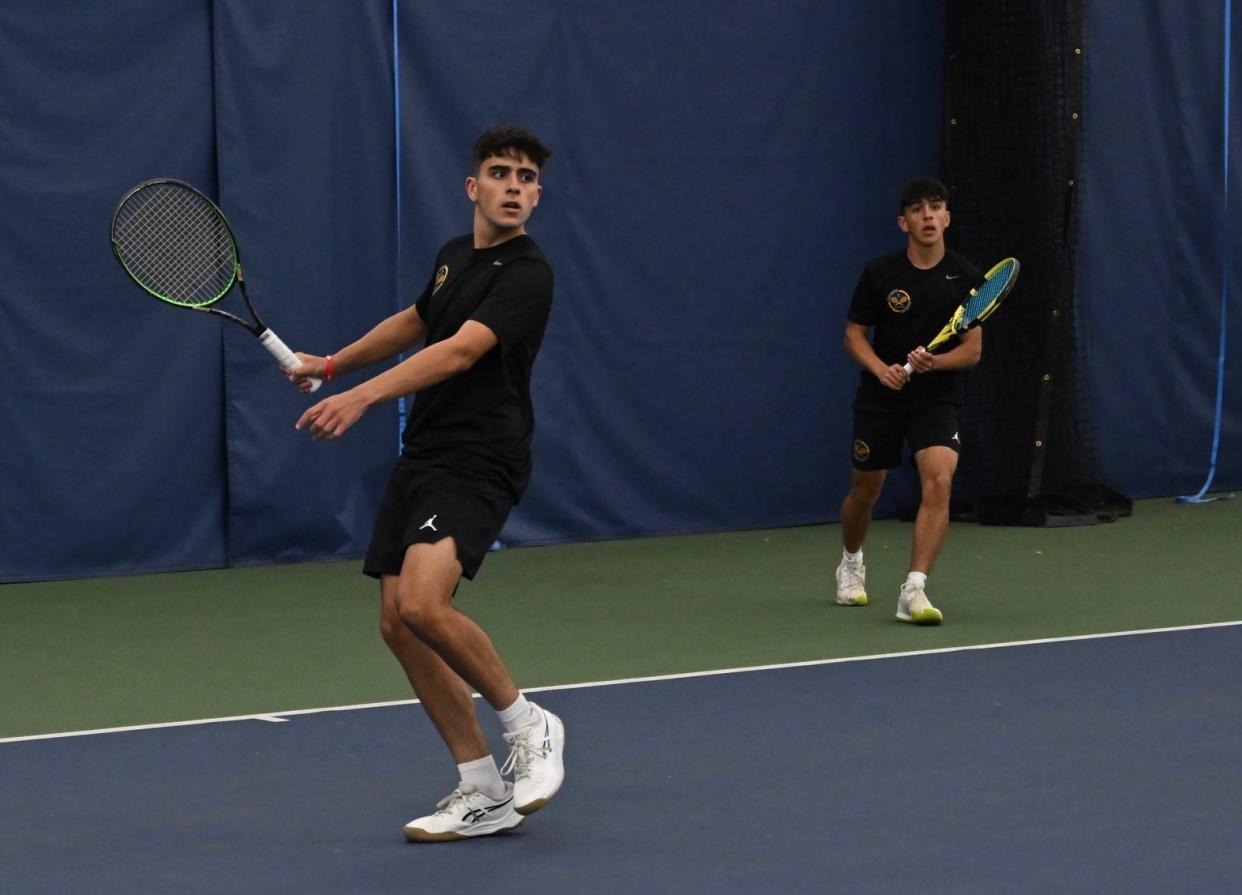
[(1224, 279), (396, 131)]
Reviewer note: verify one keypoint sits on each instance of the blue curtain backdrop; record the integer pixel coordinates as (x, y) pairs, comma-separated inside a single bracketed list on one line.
[(1155, 246), (722, 170), (112, 407), (144, 438)]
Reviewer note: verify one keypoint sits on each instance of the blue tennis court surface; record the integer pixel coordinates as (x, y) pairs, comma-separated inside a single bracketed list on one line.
[(1100, 765)]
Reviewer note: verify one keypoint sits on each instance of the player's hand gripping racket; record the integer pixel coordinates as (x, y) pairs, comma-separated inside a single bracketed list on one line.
[(979, 305), (176, 244)]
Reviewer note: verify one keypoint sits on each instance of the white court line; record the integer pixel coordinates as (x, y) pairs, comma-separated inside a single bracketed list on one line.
[(277, 717)]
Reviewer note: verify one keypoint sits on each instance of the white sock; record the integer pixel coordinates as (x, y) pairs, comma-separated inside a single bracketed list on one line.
[(483, 775), (518, 715), (916, 579), (853, 558)]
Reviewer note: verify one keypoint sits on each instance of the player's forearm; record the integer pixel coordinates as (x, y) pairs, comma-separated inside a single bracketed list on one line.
[(859, 348), (398, 333), (433, 364), (963, 357)]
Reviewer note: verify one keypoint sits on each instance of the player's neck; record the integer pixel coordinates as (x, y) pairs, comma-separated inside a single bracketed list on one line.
[(925, 257), (487, 235)]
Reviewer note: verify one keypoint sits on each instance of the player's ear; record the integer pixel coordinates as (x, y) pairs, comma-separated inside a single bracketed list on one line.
[(901, 222), (472, 189), (948, 219), (538, 193)]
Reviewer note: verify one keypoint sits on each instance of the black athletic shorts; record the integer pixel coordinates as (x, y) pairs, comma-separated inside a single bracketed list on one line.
[(425, 507), (879, 434)]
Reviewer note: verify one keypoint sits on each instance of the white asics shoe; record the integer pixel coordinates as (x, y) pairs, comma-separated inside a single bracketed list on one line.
[(463, 813), (851, 584), (537, 761), (913, 606)]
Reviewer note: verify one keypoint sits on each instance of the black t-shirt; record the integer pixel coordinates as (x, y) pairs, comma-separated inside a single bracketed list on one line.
[(906, 307), (478, 423)]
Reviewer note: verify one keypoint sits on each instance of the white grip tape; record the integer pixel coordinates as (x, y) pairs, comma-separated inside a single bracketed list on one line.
[(286, 358), (909, 368)]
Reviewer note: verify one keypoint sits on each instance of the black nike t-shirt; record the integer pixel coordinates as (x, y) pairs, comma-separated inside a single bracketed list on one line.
[(906, 307), (479, 423)]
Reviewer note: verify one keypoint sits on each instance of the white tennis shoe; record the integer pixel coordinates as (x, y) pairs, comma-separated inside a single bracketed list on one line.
[(851, 584), (537, 761), (913, 606), (463, 813)]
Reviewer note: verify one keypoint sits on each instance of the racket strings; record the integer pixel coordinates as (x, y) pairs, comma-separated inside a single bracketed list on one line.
[(992, 291), (176, 245)]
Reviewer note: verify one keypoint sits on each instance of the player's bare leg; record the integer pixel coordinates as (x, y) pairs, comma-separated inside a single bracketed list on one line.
[(936, 466), (444, 654), (855, 521), (444, 695), (482, 803), (422, 603), (857, 506)]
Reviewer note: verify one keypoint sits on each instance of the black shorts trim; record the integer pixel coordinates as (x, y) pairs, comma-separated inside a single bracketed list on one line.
[(421, 507), (879, 434)]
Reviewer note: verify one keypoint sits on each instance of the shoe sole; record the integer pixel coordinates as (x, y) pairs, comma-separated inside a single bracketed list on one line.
[(926, 617), (860, 600), (414, 834), (534, 805)]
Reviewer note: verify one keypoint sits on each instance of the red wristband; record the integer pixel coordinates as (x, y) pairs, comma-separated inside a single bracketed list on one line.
[(328, 369)]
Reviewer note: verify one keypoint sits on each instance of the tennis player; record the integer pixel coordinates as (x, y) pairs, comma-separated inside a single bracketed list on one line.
[(904, 298), (465, 462)]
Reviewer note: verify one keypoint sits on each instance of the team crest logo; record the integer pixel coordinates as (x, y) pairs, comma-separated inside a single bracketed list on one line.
[(899, 301), (862, 450), (441, 276)]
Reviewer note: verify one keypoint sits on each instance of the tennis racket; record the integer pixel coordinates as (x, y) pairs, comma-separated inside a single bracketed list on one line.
[(981, 304), (177, 245)]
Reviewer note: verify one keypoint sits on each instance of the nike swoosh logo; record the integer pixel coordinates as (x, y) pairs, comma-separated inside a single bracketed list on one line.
[(947, 277), (497, 264)]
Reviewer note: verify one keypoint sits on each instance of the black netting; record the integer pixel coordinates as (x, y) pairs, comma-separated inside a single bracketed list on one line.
[(1012, 97)]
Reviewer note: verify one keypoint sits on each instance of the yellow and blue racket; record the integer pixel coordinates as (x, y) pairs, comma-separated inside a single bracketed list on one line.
[(981, 304), (176, 244)]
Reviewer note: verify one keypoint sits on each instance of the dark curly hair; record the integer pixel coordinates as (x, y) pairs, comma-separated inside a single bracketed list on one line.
[(508, 141), (921, 188)]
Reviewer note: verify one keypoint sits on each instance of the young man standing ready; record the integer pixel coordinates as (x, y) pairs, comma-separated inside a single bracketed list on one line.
[(906, 297), (465, 462)]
